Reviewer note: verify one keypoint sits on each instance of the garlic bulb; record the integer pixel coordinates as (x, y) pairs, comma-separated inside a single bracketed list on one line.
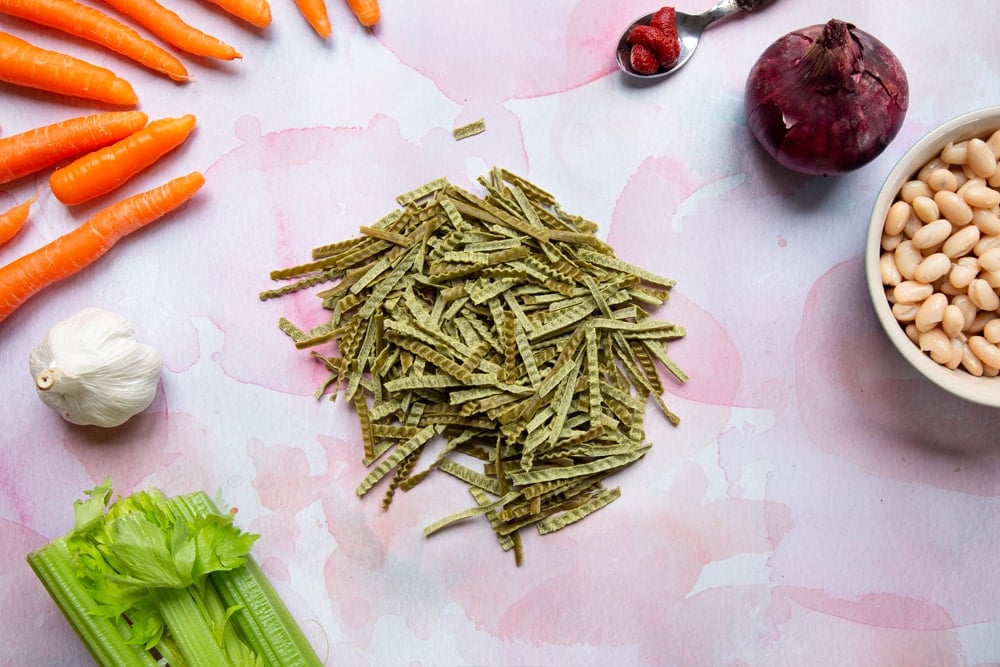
[(93, 371)]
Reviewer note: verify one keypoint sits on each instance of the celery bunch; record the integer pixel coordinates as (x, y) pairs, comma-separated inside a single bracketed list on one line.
[(151, 580)]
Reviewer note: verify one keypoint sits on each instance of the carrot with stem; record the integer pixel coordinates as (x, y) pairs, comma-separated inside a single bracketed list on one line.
[(106, 169), (366, 11), (255, 12), (314, 12), (93, 25), (13, 220), (25, 64), (171, 28), (75, 250), (39, 148)]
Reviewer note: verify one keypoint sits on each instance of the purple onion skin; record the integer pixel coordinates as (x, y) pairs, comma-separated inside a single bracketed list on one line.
[(826, 99)]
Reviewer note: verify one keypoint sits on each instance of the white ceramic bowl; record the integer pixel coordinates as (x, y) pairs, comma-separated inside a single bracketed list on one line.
[(983, 390)]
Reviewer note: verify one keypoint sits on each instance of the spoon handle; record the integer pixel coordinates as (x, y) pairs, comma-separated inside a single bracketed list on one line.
[(725, 8)]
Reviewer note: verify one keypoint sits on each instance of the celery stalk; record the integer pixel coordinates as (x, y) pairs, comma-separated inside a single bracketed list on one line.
[(148, 580), (188, 626), (263, 619), (54, 568)]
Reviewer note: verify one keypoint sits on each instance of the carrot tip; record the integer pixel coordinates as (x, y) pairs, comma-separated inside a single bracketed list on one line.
[(122, 92)]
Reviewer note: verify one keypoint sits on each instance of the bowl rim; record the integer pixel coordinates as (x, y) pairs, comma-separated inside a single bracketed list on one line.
[(982, 390)]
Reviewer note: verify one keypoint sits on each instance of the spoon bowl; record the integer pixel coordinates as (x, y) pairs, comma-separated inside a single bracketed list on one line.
[(689, 30)]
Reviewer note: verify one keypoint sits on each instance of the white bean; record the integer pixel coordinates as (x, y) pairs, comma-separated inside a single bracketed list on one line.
[(955, 153), (932, 267), (968, 309), (890, 272), (981, 159), (987, 352), (907, 259), (980, 294), (911, 332), (953, 208), (942, 179), (957, 349), (987, 221), (970, 362), (932, 234), (991, 277), (895, 219), (980, 196), (931, 312), (926, 208), (961, 242), (985, 244), (911, 291), (890, 242), (932, 164), (913, 189), (994, 143), (992, 331), (937, 344), (905, 312), (952, 320), (990, 260)]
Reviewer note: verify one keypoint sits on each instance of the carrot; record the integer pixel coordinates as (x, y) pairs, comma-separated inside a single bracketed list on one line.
[(255, 12), (102, 171), (25, 64), (172, 29), (85, 22), (29, 152), (13, 220), (367, 11), (314, 12), (81, 247)]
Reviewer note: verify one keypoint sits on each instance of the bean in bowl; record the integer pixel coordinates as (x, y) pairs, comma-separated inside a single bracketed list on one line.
[(939, 260)]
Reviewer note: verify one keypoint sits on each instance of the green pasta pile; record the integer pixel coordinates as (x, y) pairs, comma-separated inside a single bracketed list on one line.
[(503, 325)]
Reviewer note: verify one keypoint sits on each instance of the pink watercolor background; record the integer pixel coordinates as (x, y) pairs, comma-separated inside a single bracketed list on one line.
[(818, 505)]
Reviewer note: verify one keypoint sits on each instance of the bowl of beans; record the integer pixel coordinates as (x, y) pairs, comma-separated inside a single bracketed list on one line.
[(933, 256)]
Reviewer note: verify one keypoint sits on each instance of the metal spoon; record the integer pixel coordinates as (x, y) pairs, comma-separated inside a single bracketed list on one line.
[(689, 29)]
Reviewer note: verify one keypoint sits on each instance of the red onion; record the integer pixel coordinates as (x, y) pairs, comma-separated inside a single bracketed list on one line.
[(826, 99)]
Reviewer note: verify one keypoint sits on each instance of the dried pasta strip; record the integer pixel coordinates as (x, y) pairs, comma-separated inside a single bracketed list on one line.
[(579, 470), (386, 235), (426, 352), (388, 463), (364, 420), (290, 330), (482, 499), (340, 247), (469, 129), (559, 521), (385, 286), (479, 510), (470, 476), (535, 192), (659, 351), (611, 262), (401, 474), (393, 431), (422, 191), (305, 283)]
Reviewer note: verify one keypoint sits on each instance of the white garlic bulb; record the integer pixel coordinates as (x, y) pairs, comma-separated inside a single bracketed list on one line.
[(93, 371)]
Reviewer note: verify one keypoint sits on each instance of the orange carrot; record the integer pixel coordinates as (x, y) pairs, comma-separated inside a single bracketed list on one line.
[(29, 152), (74, 18), (314, 12), (77, 249), (25, 64), (367, 11), (255, 12), (172, 29), (102, 171), (12, 221)]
